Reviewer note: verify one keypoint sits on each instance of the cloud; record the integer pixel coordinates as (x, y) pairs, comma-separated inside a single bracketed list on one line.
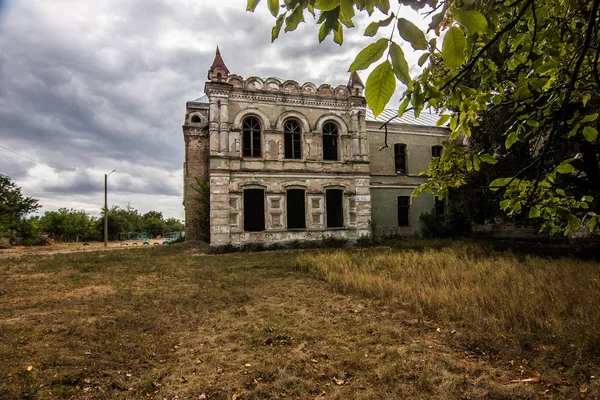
[(88, 87)]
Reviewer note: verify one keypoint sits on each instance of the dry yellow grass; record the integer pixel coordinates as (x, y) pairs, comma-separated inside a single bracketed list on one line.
[(168, 321), (499, 302)]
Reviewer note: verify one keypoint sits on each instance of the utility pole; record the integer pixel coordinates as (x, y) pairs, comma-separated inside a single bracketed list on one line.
[(106, 207)]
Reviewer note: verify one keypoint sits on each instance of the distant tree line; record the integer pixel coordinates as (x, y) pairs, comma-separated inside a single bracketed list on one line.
[(69, 225)]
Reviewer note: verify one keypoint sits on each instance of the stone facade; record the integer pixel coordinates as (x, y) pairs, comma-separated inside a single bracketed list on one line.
[(292, 162)]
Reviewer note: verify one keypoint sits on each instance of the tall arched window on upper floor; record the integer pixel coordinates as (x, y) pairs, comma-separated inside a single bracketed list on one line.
[(292, 136), (330, 141), (251, 131)]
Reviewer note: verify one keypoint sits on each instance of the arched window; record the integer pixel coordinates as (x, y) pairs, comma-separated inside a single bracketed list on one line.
[(292, 138), (251, 137), (330, 141), (196, 119)]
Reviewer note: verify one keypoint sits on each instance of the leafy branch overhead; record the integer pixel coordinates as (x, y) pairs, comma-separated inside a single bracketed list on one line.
[(535, 62)]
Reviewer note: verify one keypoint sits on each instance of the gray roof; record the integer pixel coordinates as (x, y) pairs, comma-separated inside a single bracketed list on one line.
[(202, 100), (426, 118)]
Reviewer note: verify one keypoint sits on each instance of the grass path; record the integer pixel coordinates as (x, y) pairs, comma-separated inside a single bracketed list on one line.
[(162, 323)]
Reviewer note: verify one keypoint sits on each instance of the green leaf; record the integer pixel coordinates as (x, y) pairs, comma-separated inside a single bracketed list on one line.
[(565, 169), (277, 28), (443, 119), (574, 222), (273, 7), (504, 204), (338, 34), (437, 19), (403, 106), (589, 118), (374, 26), (499, 183), (369, 55), (590, 133), (292, 21), (326, 5), (453, 48), (380, 87), (384, 6), (473, 20), (251, 5), (486, 158), (412, 34), (399, 64), (423, 59), (534, 212), (510, 140), (323, 32), (593, 222), (347, 9)]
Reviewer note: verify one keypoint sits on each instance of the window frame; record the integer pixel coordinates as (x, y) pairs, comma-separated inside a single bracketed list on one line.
[(288, 205), (407, 200), (341, 210), (294, 138), (333, 137), (401, 158), (253, 135)]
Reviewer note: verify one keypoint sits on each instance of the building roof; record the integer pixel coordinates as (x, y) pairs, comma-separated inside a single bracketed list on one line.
[(426, 118), (201, 100), (218, 62), (355, 80)]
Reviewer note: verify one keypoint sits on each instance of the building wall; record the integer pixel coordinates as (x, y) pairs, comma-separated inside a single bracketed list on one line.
[(366, 174), (386, 184), (230, 172)]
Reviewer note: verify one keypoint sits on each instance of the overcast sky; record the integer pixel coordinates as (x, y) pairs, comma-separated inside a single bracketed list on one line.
[(91, 86)]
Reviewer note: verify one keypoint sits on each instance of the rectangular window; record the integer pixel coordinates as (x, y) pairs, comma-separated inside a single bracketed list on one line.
[(440, 206), (254, 210), (400, 158), (403, 204), (296, 209), (436, 151), (335, 208)]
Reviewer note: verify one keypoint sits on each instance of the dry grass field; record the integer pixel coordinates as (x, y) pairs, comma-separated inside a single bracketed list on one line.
[(171, 322)]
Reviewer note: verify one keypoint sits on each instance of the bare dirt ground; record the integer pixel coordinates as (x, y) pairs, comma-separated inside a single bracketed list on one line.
[(62, 248)]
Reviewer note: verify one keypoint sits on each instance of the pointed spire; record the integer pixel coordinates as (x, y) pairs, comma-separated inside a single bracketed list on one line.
[(218, 69), (355, 84), (355, 80)]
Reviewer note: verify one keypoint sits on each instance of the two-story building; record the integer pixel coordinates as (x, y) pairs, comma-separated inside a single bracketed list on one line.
[(299, 162)]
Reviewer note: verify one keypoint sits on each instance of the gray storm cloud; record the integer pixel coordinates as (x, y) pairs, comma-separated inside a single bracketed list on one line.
[(88, 87)]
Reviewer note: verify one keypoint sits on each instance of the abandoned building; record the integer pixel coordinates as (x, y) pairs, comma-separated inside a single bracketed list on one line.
[(299, 162)]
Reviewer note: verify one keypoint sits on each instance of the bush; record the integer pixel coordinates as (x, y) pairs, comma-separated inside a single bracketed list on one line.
[(455, 224)]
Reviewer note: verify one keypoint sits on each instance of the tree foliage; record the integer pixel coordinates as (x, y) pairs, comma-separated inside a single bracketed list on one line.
[(534, 60), (202, 189), (14, 206)]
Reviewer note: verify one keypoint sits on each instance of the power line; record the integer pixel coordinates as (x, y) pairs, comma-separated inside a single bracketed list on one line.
[(41, 163)]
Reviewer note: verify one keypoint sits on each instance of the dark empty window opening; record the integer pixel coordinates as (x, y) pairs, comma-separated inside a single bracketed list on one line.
[(403, 203), (219, 77), (330, 141), (400, 158), (196, 119), (292, 137), (436, 151), (296, 211), (254, 210), (440, 206), (335, 208), (251, 137)]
